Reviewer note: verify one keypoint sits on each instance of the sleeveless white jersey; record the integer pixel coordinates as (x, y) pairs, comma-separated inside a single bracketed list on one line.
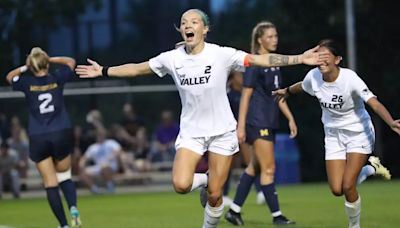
[(201, 82), (342, 101)]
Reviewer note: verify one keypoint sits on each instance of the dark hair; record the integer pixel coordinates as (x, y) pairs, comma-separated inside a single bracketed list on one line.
[(333, 47), (5, 145)]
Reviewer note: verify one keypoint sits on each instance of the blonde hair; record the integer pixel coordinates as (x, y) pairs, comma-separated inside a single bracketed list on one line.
[(205, 19), (258, 31), (38, 60)]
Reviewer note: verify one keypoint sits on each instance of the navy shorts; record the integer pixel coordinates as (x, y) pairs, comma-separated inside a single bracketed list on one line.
[(56, 144), (253, 133)]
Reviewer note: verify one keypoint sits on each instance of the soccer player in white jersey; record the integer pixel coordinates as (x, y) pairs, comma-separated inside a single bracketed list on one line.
[(200, 71), (349, 133)]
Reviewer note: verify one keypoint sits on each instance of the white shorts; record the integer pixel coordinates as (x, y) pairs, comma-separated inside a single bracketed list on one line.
[(95, 170), (339, 142), (225, 144)]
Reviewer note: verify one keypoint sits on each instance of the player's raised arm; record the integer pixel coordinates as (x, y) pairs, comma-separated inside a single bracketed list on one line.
[(127, 70), (16, 72), (63, 61), (310, 57)]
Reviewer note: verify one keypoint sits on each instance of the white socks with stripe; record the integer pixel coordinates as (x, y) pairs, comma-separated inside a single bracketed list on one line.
[(366, 171), (199, 180), (353, 211), (212, 215)]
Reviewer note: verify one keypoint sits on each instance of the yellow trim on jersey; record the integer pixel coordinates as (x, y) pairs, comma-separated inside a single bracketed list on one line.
[(44, 87)]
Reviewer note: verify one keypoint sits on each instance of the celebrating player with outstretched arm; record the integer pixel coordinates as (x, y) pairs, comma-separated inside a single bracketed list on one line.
[(349, 132), (50, 134), (200, 71)]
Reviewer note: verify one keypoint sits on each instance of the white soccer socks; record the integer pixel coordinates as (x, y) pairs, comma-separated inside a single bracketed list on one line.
[(353, 211), (212, 215), (366, 171), (200, 180)]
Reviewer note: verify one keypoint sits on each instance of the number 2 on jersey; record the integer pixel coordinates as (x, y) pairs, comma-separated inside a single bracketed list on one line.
[(45, 106)]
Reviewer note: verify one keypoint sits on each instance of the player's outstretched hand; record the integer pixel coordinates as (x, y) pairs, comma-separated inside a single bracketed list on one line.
[(280, 94), (89, 71), (396, 126), (314, 58)]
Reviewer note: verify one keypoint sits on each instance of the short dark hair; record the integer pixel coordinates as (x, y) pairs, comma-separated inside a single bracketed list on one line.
[(334, 48), (332, 45), (4, 144)]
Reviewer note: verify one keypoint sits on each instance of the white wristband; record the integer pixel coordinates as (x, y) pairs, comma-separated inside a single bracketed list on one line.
[(23, 69)]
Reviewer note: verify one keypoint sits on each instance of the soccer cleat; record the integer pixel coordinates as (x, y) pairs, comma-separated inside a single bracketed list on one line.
[(379, 168), (234, 218), (63, 226), (75, 218), (203, 194), (282, 220), (227, 201)]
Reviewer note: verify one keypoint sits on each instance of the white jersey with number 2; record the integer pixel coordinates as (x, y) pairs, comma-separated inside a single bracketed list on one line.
[(342, 101), (201, 82)]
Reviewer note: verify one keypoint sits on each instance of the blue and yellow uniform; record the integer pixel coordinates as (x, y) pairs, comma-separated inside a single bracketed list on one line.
[(262, 119), (49, 128)]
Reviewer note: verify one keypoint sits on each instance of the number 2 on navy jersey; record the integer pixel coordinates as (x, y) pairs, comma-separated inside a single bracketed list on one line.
[(45, 106), (276, 82)]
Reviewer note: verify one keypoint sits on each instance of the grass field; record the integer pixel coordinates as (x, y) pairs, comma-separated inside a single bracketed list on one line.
[(310, 205)]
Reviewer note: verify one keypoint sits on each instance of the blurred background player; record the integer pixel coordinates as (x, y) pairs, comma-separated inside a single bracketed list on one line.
[(9, 174), (104, 153), (49, 127), (200, 71), (257, 125), (21, 146), (349, 132), (164, 138)]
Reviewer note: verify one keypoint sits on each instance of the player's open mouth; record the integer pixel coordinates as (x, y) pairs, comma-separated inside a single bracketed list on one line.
[(189, 36)]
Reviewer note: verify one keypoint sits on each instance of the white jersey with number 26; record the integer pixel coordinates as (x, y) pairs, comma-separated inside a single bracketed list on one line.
[(342, 101), (201, 82)]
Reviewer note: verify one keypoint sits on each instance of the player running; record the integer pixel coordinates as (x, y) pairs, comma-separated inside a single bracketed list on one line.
[(257, 125), (200, 71), (349, 132), (50, 135)]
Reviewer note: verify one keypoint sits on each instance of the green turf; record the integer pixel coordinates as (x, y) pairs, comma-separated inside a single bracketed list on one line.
[(311, 206)]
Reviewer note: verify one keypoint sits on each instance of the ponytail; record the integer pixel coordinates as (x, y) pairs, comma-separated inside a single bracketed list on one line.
[(258, 31)]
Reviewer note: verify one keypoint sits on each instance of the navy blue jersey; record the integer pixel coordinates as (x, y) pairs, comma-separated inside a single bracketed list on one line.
[(44, 96), (263, 110), (234, 101)]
